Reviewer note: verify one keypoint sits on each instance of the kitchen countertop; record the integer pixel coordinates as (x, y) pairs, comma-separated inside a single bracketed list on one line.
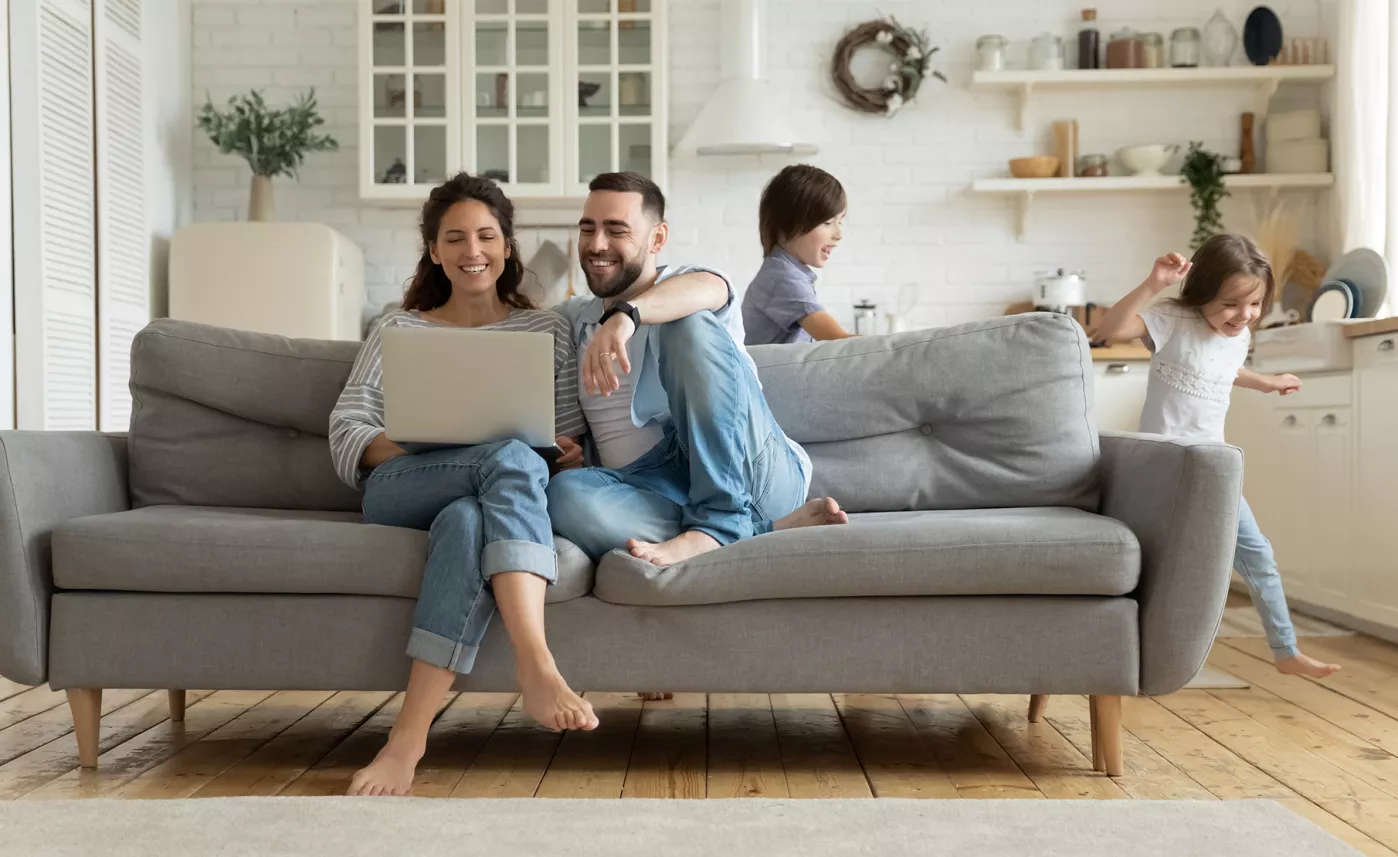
[(1118, 353), (1372, 327)]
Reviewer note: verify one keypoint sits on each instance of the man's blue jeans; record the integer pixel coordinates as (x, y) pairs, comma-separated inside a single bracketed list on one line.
[(485, 511), (723, 467)]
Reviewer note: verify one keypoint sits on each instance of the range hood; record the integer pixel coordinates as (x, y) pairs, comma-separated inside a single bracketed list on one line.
[(746, 115)]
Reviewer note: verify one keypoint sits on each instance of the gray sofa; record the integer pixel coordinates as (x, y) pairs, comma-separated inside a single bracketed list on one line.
[(996, 544)]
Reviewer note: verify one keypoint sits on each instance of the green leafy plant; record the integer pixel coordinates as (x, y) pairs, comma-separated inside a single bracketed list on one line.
[(273, 142), (1203, 172)]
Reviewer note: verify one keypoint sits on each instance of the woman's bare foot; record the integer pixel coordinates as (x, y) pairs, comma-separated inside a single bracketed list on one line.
[(550, 701), (686, 545), (391, 772), (819, 512), (1302, 664)]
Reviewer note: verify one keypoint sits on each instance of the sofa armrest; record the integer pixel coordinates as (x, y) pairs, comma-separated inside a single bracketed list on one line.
[(46, 478), (1180, 498)]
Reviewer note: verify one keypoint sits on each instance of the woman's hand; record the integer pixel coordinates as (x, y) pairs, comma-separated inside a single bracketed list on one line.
[(1168, 270), (607, 345), (379, 450), (572, 456)]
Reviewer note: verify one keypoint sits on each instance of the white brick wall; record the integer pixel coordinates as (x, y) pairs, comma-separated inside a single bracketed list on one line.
[(912, 217)]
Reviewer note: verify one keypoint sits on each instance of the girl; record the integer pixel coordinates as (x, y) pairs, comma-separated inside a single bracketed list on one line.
[(1199, 342), (491, 544), (799, 218)]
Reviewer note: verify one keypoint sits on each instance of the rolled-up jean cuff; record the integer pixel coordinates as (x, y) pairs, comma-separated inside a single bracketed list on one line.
[(519, 555), (1285, 651), (441, 652), (723, 537)]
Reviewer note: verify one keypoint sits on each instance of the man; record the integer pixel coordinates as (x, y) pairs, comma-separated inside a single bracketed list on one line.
[(691, 457)]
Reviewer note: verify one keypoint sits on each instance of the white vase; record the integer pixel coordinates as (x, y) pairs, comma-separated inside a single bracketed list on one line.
[(1220, 40), (261, 206)]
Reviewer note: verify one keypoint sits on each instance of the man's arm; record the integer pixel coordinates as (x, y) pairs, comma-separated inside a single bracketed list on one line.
[(681, 296)]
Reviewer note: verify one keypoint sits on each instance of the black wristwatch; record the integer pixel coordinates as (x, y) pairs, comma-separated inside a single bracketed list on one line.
[(622, 307)]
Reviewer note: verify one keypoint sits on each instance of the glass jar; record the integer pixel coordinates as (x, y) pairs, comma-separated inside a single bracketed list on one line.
[(1092, 166), (1184, 48), (1152, 51), (1088, 54), (990, 53), (1125, 49), (1046, 53)]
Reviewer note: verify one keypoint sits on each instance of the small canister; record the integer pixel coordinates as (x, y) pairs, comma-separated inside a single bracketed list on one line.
[(1152, 50), (1092, 166), (1184, 48), (990, 53), (866, 319)]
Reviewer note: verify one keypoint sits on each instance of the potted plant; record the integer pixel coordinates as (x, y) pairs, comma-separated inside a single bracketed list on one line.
[(1203, 171), (273, 142)]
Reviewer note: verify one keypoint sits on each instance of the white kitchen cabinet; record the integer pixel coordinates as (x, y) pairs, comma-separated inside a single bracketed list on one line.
[(1119, 392), (539, 95), (1376, 523), (1319, 470)]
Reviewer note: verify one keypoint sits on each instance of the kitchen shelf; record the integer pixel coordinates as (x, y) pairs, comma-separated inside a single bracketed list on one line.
[(1264, 80), (1027, 188)]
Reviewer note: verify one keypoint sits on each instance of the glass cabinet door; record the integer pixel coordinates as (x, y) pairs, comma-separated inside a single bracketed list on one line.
[(620, 117), (411, 80), (514, 129)]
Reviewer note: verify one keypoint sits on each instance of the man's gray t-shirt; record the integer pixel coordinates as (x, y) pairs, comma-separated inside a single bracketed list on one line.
[(778, 299)]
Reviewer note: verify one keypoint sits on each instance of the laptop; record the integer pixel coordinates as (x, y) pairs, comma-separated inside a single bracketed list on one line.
[(446, 387)]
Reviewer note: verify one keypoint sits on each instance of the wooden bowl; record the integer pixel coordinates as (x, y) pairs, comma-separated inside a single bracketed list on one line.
[(1034, 167)]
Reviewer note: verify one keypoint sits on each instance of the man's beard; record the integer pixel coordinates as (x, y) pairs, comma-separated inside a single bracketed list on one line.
[(613, 281)]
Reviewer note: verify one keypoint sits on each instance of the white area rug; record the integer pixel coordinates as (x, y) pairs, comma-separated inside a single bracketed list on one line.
[(274, 827)]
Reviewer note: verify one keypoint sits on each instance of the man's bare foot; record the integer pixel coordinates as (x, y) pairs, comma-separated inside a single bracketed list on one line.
[(1302, 664), (656, 695), (391, 772), (819, 512), (686, 545), (550, 701)]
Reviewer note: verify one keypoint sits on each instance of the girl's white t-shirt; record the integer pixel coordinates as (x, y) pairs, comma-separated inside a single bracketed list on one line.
[(1192, 371)]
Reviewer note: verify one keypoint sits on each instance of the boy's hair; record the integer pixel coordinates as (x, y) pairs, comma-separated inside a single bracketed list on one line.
[(652, 200), (1222, 257), (795, 201)]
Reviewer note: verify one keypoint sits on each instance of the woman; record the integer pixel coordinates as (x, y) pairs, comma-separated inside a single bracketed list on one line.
[(490, 543)]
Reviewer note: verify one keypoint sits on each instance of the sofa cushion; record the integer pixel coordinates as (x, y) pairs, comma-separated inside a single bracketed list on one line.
[(231, 418), (216, 549), (995, 413), (1043, 551)]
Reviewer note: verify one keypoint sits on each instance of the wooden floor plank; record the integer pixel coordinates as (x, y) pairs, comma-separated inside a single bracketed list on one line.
[(1370, 650), (127, 761), (1354, 717), (56, 758), (28, 703), (1204, 760), (1337, 828), (670, 756), (895, 761), (53, 724), (1309, 775), (278, 763), (200, 763), (1055, 766), (594, 764), (11, 688), (1375, 818), (513, 761), (1370, 683), (817, 755), (456, 739), (973, 761), (1148, 775), (745, 756)]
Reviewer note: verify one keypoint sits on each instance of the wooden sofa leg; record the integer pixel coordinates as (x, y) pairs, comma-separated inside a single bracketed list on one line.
[(1037, 703), (86, 706), (1096, 735), (177, 706), (1107, 733)]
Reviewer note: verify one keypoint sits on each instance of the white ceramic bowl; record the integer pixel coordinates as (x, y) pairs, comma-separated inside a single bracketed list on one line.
[(1146, 160)]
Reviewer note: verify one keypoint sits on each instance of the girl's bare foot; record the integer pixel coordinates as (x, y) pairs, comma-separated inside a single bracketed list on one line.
[(686, 545), (391, 772), (1302, 664), (550, 701), (819, 512)]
